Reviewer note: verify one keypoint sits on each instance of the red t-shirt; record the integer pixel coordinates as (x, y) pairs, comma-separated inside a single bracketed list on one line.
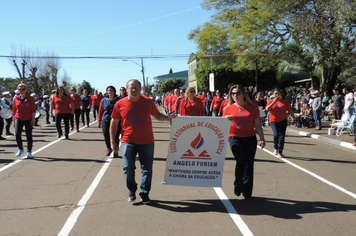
[(217, 102), (76, 100), (188, 108), (223, 105), (172, 100), (243, 123), (166, 101), (279, 110), (96, 100), (202, 98), (23, 111), (136, 119), (62, 104)]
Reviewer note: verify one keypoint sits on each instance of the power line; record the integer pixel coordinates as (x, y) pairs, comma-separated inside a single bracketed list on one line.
[(102, 57)]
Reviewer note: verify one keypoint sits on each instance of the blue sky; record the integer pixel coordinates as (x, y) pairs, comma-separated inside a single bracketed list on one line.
[(129, 29)]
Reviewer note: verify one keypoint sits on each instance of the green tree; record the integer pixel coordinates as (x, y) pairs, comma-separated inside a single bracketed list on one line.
[(170, 71), (255, 30), (9, 84), (85, 85), (170, 84)]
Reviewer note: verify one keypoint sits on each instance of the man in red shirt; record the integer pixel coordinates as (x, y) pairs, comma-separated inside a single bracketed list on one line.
[(202, 97), (172, 101), (135, 112)]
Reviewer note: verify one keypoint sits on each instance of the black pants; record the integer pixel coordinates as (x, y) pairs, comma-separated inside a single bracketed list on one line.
[(65, 118), (95, 111), (1, 125), (105, 126), (244, 150), (216, 112), (77, 116), (86, 112), (18, 131), (8, 125), (47, 117)]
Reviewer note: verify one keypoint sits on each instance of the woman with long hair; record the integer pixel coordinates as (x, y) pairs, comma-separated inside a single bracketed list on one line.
[(86, 104), (122, 92), (64, 106), (278, 109), (191, 105), (245, 123), (104, 118), (24, 112), (77, 101)]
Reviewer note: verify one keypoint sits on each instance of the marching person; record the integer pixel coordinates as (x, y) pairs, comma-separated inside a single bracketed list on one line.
[(24, 112), (64, 106), (2, 106), (96, 98), (122, 92), (104, 118), (216, 103), (8, 101), (34, 95), (208, 101), (135, 112), (278, 109), (46, 106), (86, 103), (245, 123), (179, 100), (191, 105), (77, 101)]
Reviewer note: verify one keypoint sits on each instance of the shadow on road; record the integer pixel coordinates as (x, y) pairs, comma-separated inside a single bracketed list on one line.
[(279, 208), (51, 159)]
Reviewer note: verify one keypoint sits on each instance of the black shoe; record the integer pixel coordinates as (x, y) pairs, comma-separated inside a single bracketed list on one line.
[(9, 134), (131, 196), (87, 125), (145, 199), (2, 138), (59, 135), (116, 155), (67, 136), (78, 130), (238, 190), (48, 123)]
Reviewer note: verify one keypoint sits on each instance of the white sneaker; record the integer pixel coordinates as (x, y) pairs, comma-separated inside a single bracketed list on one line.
[(275, 152)]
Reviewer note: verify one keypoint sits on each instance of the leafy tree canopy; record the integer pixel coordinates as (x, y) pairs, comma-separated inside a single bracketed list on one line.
[(168, 85), (85, 85)]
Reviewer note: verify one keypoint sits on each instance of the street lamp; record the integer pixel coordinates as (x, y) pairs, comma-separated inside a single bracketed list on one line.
[(143, 73)]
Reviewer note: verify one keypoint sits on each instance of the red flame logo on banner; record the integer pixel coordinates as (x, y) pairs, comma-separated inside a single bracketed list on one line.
[(197, 142)]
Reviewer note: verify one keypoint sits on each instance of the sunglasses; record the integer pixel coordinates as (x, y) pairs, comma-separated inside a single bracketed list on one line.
[(236, 93), (191, 91), (21, 89), (122, 90)]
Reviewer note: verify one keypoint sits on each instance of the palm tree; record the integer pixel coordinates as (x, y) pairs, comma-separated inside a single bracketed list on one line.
[(297, 60)]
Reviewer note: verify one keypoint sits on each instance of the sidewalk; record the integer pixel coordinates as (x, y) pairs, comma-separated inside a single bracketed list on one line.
[(344, 140)]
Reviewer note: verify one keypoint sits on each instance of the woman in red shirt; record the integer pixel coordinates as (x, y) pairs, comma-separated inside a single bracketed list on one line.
[(24, 112), (191, 105), (245, 122), (278, 109), (77, 101), (64, 106), (96, 98), (216, 103)]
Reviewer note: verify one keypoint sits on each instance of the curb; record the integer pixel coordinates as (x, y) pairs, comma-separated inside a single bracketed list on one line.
[(329, 140)]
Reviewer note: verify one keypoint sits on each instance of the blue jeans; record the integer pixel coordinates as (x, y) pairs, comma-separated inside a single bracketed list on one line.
[(349, 111), (145, 154), (279, 134), (317, 118)]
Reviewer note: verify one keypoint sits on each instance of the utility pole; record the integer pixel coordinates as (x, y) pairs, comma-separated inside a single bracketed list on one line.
[(143, 76)]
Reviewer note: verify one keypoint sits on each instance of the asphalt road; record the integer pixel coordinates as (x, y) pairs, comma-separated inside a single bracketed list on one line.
[(72, 187)]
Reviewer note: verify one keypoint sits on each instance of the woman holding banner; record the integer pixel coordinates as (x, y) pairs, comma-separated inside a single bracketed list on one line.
[(245, 122), (191, 105)]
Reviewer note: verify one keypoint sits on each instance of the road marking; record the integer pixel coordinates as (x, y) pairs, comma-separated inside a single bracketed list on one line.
[(313, 174), (37, 151), (72, 219), (233, 213)]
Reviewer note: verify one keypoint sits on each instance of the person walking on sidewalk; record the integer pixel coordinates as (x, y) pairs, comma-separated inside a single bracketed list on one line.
[(317, 106), (24, 112), (135, 112), (278, 109)]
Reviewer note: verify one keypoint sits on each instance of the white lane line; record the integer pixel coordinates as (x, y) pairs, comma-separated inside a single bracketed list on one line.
[(233, 213), (72, 219), (313, 174), (37, 151)]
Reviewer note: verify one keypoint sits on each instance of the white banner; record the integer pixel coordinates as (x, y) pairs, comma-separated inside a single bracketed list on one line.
[(197, 148), (211, 82)]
